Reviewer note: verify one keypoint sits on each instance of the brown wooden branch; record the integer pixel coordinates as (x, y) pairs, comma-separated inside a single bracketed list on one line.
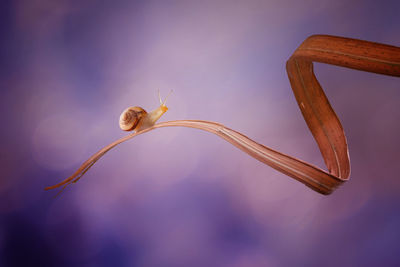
[(315, 107)]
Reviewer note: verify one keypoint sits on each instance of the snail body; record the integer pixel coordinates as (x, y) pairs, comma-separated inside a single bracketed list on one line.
[(137, 119)]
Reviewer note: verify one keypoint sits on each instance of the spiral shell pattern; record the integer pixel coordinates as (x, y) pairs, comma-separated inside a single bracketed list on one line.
[(130, 118)]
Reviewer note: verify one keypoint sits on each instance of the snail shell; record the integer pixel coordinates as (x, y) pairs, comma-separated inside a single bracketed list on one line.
[(131, 117)]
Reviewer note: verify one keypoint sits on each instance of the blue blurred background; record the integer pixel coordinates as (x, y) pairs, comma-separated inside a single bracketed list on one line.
[(177, 196)]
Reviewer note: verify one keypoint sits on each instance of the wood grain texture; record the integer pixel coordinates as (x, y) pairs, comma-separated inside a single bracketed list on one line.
[(314, 105)]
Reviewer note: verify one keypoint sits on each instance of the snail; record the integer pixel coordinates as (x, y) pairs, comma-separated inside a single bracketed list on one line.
[(137, 119)]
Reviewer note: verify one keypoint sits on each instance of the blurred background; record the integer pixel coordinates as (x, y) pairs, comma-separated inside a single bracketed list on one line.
[(178, 196)]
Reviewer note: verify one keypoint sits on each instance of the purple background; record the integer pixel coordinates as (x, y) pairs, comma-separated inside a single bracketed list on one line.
[(177, 196)]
